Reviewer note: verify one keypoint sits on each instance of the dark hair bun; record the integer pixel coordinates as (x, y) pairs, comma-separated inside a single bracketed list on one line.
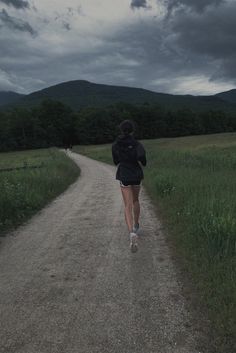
[(127, 127)]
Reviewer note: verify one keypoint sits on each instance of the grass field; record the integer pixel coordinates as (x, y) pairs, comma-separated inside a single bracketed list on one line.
[(193, 182), (25, 191)]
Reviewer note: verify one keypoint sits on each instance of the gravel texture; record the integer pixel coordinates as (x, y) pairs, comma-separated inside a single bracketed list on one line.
[(69, 283)]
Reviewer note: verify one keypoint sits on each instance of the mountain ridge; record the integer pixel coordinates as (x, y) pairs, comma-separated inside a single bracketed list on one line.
[(229, 96), (82, 93), (7, 97)]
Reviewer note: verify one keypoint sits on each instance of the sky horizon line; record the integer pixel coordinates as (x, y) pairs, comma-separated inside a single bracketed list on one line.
[(116, 85)]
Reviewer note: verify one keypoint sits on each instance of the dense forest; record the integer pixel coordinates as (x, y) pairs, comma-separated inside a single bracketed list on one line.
[(54, 124)]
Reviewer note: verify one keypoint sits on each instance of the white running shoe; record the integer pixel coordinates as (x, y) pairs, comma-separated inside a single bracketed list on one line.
[(136, 228), (133, 242)]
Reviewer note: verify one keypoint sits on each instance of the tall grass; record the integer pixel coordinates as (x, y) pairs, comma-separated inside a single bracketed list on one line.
[(193, 180), (25, 191)]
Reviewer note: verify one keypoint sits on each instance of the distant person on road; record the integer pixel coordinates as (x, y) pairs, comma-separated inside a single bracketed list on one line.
[(128, 153)]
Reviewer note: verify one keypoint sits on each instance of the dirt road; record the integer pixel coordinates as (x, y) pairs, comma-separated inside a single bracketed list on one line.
[(69, 283)]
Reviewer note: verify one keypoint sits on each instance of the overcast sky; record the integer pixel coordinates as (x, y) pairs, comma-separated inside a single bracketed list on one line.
[(173, 46)]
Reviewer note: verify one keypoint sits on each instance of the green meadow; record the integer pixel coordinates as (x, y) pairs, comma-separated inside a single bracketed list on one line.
[(24, 191), (192, 180)]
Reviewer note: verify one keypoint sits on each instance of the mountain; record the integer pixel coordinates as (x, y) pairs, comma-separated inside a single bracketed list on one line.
[(9, 97), (78, 94), (228, 96)]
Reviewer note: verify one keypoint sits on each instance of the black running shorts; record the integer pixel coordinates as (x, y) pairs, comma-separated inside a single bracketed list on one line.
[(126, 184)]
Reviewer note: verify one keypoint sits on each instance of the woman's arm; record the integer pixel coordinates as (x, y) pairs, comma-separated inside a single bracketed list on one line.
[(115, 154), (141, 154)]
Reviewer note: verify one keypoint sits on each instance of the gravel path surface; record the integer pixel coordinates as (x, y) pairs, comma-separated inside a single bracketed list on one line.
[(69, 283)]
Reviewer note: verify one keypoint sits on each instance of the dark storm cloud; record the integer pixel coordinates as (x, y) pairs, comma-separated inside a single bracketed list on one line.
[(66, 17), (137, 4), (198, 5), (210, 34), (66, 25), (189, 44), (15, 23), (156, 54), (19, 61), (18, 4)]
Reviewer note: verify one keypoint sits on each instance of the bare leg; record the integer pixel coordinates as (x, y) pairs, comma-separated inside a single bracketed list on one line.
[(136, 204), (128, 201)]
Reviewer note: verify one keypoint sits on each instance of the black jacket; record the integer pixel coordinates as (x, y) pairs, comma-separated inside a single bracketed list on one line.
[(127, 152)]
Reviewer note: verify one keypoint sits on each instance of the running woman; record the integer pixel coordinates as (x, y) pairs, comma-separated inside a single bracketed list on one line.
[(128, 153)]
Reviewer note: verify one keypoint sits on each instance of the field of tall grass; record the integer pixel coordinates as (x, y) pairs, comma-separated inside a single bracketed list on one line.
[(193, 182), (24, 191)]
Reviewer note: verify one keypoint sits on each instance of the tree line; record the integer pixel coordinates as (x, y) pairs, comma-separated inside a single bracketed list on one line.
[(54, 124)]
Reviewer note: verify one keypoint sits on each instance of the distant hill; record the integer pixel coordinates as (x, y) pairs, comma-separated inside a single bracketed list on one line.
[(229, 96), (78, 94), (9, 97)]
